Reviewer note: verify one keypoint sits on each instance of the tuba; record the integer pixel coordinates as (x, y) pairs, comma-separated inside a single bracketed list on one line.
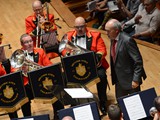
[(19, 60), (70, 48)]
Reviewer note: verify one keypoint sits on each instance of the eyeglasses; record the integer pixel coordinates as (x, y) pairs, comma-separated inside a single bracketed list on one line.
[(27, 42), (38, 9), (79, 27)]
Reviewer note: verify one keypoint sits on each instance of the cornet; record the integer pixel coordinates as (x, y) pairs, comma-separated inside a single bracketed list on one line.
[(18, 60)]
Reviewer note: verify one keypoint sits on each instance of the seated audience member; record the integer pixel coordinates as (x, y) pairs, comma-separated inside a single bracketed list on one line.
[(114, 112), (157, 106), (101, 8), (146, 21), (125, 13)]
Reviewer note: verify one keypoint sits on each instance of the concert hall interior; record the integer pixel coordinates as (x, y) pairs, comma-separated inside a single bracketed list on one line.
[(12, 24)]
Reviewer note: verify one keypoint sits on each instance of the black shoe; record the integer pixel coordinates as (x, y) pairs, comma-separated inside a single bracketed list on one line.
[(103, 108)]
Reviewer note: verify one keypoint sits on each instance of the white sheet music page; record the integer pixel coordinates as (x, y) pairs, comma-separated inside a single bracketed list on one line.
[(134, 107), (83, 113), (78, 93), (27, 119)]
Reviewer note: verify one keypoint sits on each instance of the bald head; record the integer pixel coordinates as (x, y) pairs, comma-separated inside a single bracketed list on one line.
[(79, 21), (37, 7), (36, 3), (80, 26), (67, 118), (113, 27), (113, 23)]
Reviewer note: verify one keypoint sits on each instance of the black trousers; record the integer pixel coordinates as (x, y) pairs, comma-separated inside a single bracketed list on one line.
[(102, 85), (121, 92)]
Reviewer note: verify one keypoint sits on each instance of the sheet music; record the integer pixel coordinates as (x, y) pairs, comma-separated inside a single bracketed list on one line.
[(134, 107), (78, 93), (91, 5), (27, 119), (112, 6), (83, 113)]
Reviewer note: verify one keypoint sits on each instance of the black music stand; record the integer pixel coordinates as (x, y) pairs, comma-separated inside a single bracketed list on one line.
[(137, 105)]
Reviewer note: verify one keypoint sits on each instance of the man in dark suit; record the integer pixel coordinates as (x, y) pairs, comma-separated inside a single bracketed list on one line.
[(125, 59)]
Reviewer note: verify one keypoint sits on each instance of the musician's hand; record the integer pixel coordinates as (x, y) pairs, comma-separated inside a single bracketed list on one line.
[(135, 84), (156, 116), (136, 35), (25, 68)]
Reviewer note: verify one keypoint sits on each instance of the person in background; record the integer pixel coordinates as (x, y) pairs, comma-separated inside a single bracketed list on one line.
[(67, 118), (92, 40), (146, 22), (98, 12), (157, 106), (125, 12), (125, 60), (114, 112)]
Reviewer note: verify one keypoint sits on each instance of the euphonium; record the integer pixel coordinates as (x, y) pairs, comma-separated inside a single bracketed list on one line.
[(19, 60)]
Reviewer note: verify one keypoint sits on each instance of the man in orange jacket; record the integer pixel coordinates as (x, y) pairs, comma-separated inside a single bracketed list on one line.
[(41, 26), (92, 40), (38, 56)]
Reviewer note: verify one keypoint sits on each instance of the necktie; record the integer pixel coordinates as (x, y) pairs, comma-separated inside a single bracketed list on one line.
[(114, 49), (82, 36)]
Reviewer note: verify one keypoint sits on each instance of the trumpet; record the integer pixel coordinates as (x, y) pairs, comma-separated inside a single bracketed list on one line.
[(19, 60), (153, 111)]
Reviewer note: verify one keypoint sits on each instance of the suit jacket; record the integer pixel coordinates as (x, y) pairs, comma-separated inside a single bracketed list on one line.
[(94, 43), (128, 65), (31, 23), (41, 58)]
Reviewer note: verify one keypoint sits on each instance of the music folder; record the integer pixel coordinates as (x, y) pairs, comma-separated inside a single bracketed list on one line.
[(136, 106), (12, 92), (87, 111), (80, 68), (42, 78)]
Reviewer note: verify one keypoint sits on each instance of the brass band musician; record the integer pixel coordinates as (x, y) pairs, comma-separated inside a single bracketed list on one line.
[(38, 57), (36, 23)]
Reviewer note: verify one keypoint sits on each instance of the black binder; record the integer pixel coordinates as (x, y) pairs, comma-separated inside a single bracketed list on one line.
[(147, 98)]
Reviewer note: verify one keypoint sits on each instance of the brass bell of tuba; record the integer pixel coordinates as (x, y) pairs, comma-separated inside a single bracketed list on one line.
[(70, 48), (18, 60)]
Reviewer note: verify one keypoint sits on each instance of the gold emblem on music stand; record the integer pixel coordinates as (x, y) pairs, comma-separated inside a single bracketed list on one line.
[(81, 70), (8, 92), (47, 82)]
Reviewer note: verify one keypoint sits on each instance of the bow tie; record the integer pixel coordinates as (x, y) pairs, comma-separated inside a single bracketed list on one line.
[(82, 36), (31, 54)]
